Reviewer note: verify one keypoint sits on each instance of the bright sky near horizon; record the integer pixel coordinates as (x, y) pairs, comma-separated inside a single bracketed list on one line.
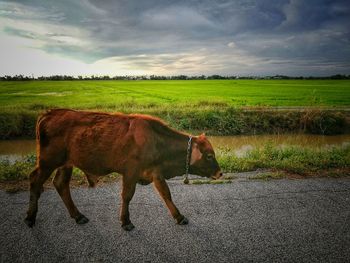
[(167, 37)]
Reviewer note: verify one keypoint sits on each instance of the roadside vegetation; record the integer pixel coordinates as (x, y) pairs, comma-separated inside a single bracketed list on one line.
[(280, 162), (333, 161), (14, 175)]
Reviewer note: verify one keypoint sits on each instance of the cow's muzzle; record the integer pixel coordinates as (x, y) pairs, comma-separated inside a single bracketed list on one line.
[(217, 175)]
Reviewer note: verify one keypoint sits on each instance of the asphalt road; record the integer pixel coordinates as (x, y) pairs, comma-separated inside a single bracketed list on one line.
[(273, 221)]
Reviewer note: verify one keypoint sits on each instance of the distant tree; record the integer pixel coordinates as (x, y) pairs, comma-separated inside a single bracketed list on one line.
[(338, 76), (216, 77), (179, 77), (21, 77)]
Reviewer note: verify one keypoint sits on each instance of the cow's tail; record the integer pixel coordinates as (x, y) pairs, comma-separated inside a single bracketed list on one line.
[(39, 134)]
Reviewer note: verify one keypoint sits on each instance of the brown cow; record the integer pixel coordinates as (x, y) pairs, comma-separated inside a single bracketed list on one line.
[(141, 148)]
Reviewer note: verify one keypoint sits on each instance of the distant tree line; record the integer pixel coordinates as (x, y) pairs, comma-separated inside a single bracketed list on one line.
[(155, 77)]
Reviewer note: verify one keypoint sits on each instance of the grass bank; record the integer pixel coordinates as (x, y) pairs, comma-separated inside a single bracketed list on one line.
[(304, 162), (209, 118)]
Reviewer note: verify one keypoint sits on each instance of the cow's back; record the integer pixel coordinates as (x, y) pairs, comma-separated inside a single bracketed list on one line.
[(95, 142)]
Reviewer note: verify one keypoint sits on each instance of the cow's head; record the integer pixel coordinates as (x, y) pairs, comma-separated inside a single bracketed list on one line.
[(203, 161)]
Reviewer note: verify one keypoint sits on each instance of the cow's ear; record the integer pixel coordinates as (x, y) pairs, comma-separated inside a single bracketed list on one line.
[(202, 136), (196, 154)]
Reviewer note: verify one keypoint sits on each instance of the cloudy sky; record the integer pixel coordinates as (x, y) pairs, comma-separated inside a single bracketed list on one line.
[(168, 37)]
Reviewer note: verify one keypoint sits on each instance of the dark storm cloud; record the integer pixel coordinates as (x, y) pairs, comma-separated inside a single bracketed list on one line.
[(258, 36)]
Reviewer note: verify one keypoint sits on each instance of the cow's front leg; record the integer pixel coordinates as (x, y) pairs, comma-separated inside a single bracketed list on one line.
[(164, 192), (128, 191), (61, 182)]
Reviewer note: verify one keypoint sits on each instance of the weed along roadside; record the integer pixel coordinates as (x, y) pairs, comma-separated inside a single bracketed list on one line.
[(274, 161), (14, 175)]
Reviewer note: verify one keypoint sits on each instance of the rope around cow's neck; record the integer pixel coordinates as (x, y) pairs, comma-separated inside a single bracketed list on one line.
[(188, 159)]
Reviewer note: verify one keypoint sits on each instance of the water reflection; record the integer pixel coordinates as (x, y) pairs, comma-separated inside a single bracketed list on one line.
[(17, 147)]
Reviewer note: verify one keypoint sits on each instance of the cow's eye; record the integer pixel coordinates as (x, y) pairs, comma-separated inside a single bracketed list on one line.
[(210, 157)]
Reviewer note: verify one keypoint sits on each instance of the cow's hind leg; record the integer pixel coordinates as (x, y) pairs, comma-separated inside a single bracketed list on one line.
[(128, 191), (61, 182), (37, 179)]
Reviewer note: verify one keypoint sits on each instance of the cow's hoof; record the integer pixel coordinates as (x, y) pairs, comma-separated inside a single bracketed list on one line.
[(81, 219), (183, 221), (29, 222), (128, 227)]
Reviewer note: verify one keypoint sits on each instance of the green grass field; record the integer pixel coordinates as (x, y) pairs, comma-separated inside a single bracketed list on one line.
[(124, 95), (217, 107)]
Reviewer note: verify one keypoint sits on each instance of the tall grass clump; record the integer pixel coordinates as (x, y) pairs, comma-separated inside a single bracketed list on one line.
[(17, 124), (17, 170), (291, 159), (323, 122)]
